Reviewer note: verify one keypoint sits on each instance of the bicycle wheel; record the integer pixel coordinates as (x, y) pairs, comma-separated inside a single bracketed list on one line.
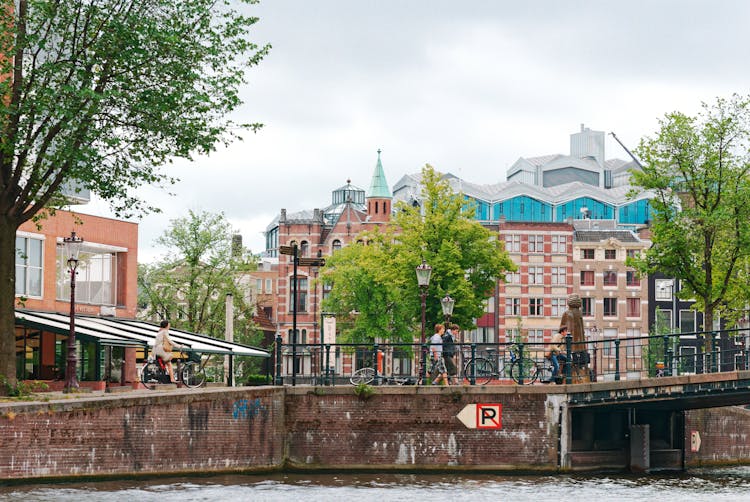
[(529, 374), (544, 372), (193, 375), (362, 375), (150, 375), (484, 370)]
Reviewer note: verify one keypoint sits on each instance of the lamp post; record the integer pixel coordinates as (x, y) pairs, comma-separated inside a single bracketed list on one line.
[(447, 303), (72, 246), (423, 280)]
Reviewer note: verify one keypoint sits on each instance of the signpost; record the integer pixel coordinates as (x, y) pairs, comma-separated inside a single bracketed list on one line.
[(482, 416)]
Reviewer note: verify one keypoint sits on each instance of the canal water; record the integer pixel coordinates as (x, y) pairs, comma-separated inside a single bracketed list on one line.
[(730, 484)]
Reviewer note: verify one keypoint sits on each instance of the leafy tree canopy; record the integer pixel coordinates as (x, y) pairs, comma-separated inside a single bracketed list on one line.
[(697, 167)]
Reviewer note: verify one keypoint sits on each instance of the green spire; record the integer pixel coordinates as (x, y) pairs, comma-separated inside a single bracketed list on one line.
[(379, 186)]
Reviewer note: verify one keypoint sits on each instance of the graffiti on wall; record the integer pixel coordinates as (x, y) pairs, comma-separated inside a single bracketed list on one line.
[(248, 409)]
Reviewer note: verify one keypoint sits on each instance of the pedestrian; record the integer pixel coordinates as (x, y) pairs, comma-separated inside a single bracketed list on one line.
[(437, 371), (449, 352)]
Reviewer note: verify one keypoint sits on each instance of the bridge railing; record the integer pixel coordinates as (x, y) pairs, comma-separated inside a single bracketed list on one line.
[(607, 358)]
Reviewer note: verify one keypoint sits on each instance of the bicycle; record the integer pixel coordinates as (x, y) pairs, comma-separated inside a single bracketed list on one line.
[(191, 371), (367, 376), (485, 368)]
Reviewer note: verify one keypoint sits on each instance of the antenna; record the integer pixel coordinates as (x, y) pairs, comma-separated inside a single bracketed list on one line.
[(626, 149)]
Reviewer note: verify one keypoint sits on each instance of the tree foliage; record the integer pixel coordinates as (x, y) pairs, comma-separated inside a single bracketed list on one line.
[(101, 95), (697, 167), (378, 279), (189, 286)]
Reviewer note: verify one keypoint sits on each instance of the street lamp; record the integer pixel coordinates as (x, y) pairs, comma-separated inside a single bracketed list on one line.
[(72, 246), (447, 303), (423, 280)]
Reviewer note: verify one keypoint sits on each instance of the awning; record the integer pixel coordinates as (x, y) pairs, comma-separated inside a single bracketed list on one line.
[(130, 332)]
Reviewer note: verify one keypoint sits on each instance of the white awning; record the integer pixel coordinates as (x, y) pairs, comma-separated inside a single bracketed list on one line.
[(130, 332)]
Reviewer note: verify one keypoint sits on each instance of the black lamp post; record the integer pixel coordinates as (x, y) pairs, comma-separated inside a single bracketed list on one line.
[(423, 279), (447, 303), (72, 246)]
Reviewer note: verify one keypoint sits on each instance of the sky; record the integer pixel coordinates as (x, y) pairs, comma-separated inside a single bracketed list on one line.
[(466, 86)]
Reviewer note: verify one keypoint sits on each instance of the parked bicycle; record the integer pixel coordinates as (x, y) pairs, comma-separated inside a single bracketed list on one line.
[(367, 376), (520, 370), (191, 371)]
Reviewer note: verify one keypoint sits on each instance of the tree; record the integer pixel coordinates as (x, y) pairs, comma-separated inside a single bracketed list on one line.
[(378, 279), (101, 95), (189, 286), (697, 167)]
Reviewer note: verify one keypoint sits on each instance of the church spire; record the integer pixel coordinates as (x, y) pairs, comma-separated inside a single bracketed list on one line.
[(379, 196)]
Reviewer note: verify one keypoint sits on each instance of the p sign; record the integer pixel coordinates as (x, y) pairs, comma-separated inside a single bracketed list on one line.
[(482, 416)]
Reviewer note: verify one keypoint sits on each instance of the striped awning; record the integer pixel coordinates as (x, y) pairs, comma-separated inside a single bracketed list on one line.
[(130, 332)]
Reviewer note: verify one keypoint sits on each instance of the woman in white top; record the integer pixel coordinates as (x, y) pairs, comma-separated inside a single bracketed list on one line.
[(163, 347)]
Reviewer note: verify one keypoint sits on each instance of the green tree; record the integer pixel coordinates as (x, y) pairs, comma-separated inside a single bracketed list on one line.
[(378, 279), (201, 267), (697, 168), (100, 95)]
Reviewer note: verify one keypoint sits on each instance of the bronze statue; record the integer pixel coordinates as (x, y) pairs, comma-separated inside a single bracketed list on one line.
[(573, 319)]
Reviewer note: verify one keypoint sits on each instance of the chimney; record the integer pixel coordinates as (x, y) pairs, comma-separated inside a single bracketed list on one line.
[(282, 218)]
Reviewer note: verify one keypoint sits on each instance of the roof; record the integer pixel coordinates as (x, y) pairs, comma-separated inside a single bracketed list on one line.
[(603, 235), (379, 185), (130, 332)]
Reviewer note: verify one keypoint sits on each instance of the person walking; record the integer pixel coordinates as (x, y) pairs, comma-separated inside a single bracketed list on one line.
[(449, 352), (437, 371)]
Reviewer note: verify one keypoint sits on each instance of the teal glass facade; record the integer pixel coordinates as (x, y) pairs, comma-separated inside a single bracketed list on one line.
[(522, 208), (597, 210), (636, 212)]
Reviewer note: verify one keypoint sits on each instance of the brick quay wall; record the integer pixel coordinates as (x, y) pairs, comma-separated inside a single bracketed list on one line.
[(256, 429)]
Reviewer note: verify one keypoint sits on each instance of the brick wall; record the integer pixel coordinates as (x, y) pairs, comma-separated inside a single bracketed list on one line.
[(724, 436), (211, 430), (401, 430)]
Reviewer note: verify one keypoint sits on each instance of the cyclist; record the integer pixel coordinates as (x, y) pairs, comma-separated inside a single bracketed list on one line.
[(163, 347), (555, 352)]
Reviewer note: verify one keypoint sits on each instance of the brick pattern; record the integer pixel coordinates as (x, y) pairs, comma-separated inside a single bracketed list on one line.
[(723, 433)]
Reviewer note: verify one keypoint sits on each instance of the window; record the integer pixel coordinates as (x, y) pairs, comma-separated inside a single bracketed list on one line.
[(536, 244), (536, 307), (259, 285), (558, 307), (301, 294), (512, 306), (632, 278), (559, 244), (609, 336), (610, 307), (587, 277), (335, 246), (663, 289), (559, 275), (687, 321), (587, 306), (513, 278), (536, 337), (96, 275), (29, 266), (632, 253), (610, 254), (536, 275), (634, 307), (513, 243), (663, 320), (304, 248), (269, 286), (587, 254), (610, 278)]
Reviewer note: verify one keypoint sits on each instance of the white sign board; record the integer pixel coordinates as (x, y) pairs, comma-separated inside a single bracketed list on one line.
[(329, 330), (695, 441), (482, 416)]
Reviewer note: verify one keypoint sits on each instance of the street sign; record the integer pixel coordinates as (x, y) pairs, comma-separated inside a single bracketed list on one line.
[(695, 441), (286, 250), (311, 262), (482, 416)]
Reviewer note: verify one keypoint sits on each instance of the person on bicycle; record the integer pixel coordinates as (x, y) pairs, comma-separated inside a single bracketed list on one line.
[(555, 353), (438, 364), (163, 347)]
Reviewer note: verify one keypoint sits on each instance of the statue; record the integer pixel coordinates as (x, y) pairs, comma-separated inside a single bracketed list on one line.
[(573, 319)]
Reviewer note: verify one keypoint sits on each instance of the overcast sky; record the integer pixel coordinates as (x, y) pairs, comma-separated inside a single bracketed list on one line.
[(467, 86)]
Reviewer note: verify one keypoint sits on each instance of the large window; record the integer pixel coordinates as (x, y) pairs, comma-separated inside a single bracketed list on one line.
[(536, 307), (663, 289), (513, 243), (610, 278), (632, 278), (587, 254), (559, 244), (28, 266), (610, 254), (610, 307), (587, 277), (559, 275), (687, 321), (301, 294), (513, 278), (587, 306), (536, 337), (536, 244), (513, 306), (96, 277), (536, 275), (634, 307), (558, 307)]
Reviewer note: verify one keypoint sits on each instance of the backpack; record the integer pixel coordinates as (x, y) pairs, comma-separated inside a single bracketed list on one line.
[(449, 347)]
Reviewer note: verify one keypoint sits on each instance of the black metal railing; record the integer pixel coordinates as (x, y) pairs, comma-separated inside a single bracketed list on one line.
[(608, 359)]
